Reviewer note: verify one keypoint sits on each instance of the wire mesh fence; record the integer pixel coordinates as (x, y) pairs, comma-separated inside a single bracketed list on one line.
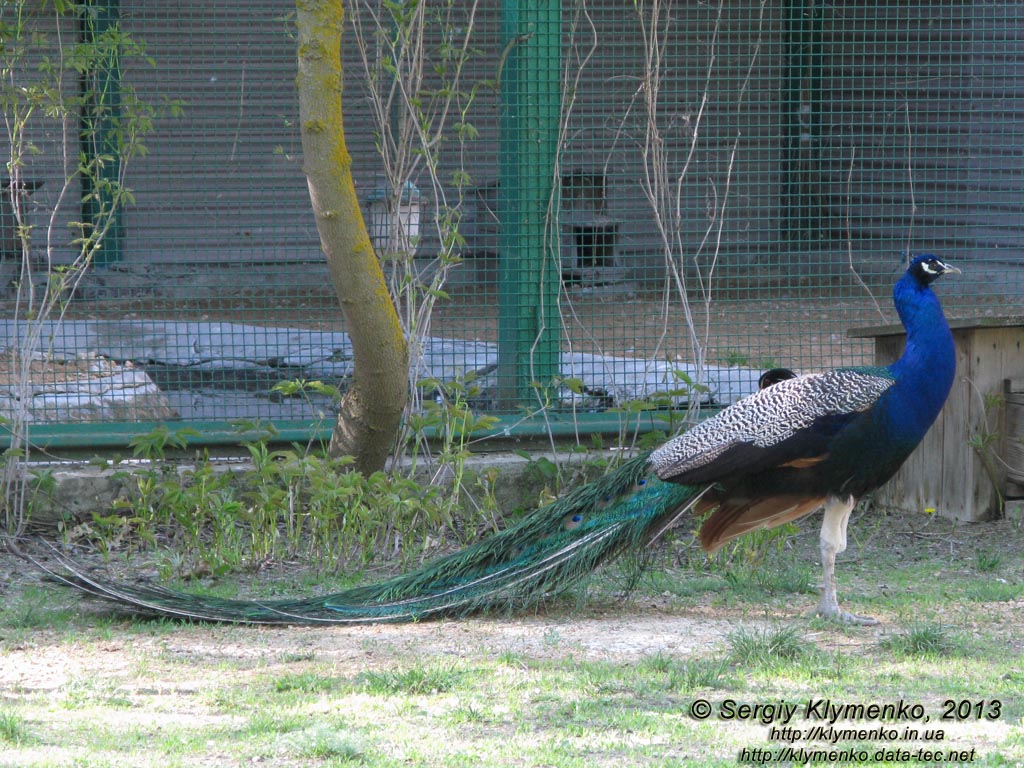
[(577, 205)]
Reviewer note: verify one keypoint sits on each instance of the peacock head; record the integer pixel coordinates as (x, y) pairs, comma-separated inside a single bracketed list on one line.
[(926, 269), (774, 376)]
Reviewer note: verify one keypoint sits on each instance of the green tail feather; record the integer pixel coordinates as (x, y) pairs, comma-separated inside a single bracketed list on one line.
[(546, 552)]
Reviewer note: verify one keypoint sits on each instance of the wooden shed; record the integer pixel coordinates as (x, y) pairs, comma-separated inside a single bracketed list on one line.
[(963, 468)]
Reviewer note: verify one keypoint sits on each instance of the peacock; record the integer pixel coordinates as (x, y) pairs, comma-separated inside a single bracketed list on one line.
[(798, 444)]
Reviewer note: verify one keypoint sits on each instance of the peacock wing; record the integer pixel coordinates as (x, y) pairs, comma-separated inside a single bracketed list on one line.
[(791, 423)]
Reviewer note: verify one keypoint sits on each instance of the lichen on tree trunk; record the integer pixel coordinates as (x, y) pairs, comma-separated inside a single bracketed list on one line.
[(372, 407)]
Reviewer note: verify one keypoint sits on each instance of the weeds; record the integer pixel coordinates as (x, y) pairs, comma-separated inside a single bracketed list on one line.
[(321, 743), (987, 561), (994, 591), (290, 503), (767, 646), (786, 577), (985, 442), (418, 680), (926, 639), (689, 675), (264, 722), (752, 549), (304, 682), (13, 728), (296, 502)]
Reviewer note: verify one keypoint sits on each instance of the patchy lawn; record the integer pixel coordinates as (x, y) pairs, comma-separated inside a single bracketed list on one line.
[(594, 680)]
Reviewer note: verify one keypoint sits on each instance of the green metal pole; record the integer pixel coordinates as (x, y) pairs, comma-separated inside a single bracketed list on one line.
[(99, 130), (531, 105)]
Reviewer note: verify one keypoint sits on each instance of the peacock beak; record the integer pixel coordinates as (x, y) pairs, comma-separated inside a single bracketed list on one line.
[(938, 268)]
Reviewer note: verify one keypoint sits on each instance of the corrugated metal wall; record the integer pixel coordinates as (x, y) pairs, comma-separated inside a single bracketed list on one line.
[(916, 109), (223, 183)]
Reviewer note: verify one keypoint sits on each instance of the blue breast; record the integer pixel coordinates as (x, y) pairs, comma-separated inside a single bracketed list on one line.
[(864, 449), (873, 444)]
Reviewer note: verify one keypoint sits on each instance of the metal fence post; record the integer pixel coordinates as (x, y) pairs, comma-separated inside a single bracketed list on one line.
[(529, 325)]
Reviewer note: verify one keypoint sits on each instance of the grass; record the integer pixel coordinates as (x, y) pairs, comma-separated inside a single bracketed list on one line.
[(324, 743), (926, 639), (605, 682), (13, 729), (411, 681), (304, 682), (690, 675), (777, 645), (987, 561)]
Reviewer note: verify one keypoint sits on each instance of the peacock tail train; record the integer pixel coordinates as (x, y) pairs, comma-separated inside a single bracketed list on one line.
[(546, 552)]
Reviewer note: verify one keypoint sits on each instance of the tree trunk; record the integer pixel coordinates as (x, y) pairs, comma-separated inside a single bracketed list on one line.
[(372, 407)]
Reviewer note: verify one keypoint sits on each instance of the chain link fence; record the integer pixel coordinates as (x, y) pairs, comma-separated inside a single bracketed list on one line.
[(579, 207)]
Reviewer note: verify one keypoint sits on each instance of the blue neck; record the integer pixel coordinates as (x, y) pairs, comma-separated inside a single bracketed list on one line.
[(926, 369)]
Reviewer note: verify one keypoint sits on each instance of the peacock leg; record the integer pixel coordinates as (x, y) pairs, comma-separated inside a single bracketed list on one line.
[(833, 541)]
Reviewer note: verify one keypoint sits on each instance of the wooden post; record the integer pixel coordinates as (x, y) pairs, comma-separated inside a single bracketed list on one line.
[(1014, 430)]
